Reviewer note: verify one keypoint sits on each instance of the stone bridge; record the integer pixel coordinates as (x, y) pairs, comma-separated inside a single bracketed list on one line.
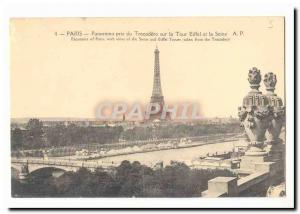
[(24, 167)]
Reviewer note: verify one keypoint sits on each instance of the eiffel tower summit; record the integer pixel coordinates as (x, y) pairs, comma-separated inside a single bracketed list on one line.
[(157, 96)]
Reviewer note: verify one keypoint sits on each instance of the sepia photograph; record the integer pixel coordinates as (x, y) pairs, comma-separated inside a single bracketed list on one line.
[(190, 107)]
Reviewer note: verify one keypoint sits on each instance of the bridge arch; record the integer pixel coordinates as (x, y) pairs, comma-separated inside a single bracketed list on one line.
[(47, 171), (35, 167)]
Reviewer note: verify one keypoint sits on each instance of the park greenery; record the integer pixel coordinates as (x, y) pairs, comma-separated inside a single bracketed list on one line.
[(36, 135), (127, 180)]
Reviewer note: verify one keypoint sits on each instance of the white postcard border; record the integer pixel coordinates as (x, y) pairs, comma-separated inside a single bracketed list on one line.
[(147, 9)]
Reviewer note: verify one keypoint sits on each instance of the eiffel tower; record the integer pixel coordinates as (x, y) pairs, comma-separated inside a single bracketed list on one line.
[(157, 96)]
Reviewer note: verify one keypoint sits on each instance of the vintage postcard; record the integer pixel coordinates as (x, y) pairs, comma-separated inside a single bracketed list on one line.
[(156, 107)]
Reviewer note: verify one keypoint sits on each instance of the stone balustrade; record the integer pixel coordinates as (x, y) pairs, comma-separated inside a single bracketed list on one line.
[(232, 186)]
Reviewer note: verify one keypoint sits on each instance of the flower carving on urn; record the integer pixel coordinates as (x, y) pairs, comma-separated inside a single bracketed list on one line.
[(270, 81), (254, 78), (278, 110), (255, 112)]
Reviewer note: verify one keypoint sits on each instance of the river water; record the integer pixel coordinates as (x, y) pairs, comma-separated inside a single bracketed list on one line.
[(183, 155)]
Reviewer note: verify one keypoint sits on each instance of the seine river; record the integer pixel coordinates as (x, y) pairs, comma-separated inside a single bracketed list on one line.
[(183, 155)]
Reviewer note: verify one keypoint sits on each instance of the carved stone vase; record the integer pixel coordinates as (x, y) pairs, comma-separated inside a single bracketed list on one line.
[(255, 115), (276, 148), (278, 110)]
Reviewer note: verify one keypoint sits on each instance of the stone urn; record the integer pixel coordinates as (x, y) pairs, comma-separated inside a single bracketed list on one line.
[(275, 148), (255, 115), (278, 110)]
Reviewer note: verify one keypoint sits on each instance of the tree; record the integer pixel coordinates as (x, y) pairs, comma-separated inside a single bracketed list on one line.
[(131, 179), (35, 134), (17, 139)]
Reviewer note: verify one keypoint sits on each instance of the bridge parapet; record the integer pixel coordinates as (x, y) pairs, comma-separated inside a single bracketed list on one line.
[(35, 164)]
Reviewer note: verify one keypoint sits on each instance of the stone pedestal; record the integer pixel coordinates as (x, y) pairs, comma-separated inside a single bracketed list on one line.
[(23, 176), (270, 167), (24, 172), (277, 151), (249, 162), (227, 185)]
